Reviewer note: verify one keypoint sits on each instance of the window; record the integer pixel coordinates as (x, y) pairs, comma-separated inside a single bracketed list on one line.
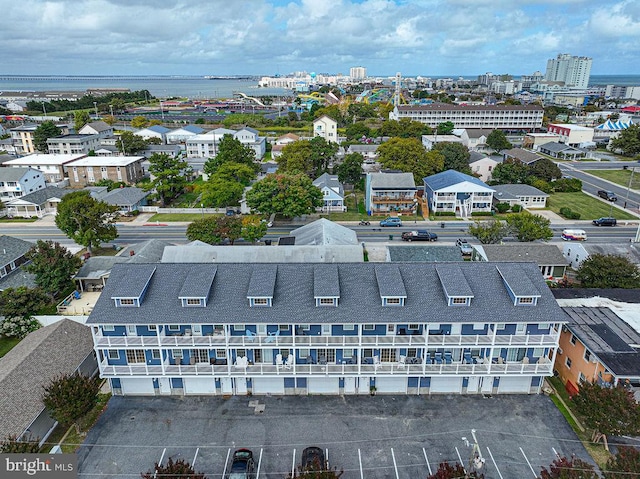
[(387, 355), (305, 327), (526, 300), (126, 302), (152, 327), (573, 339), (458, 300), (538, 352), (348, 327), (347, 353), (176, 353), (114, 354), (241, 352), (135, 356), (326, 302), (567, 362), (582, 378), (284, 353), (328, 354), (155, 354), (200, 355), (260, 302), (392, 301), (108, 327), (500, 326), (587, 355), (283, 327), (131, 330), (369, 327), (303, 353), (238, 327), (194, 302), (221, 353), (173, 327), (257, 355), (391, 328), (412, 353), (414, 326)]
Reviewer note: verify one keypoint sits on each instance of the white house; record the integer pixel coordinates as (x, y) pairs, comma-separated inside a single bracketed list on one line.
[(452, 191), (524, 195), (572, 135), (100, 128), (481, 165), (180, 135), (17, 182), (281, 142), (326, 127), (249, 137), (576, 252), (332, 193), (155, 131), (428, 141)]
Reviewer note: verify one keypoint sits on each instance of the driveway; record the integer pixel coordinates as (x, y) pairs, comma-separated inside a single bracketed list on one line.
[(397, 437)]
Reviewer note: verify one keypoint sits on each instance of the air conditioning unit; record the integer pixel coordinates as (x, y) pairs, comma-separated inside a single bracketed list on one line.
[(559, 350)]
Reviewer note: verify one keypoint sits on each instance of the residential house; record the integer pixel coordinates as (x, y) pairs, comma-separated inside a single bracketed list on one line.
[(324, 232), (598, 346), (313, 328), (390, 192), (250, 137), (171, 150), (64, 347), (532, 141), (127, 199), (481, 165), (572, 135), (332, 193), (38, 203), (576, 252), (562, 151), (13, 253), (281, 142), (73, 144), (477, 139), (155, 131), (491, 117), (548, 257), (91, 169), (180, 135), (100, 128), (16, 182), (454, 192), (6, 146), (51, 165), (520, 194), (206, 144), (527, 157), (369, 152), (326, 128), (429, 141)]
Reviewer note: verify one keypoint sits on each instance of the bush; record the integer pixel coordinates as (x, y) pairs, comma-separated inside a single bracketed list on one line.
[(18, 327), (516, 208), (569, 214), (566, 185), (481, 213), (445, 213), (503, 207)]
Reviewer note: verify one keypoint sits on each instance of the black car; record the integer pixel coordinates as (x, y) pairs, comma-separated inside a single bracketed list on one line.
[(313, 459), (605, 222), (419, 235), (242, 466), (607, 195)]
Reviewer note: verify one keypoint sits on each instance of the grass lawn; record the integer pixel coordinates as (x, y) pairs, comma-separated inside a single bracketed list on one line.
[(4, 219), (6, 344), (619, 177), (588, 207), (169, 217)]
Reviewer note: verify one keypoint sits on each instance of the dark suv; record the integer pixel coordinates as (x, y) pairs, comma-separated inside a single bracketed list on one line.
[(605, 222), (242, 466), (607, 195), (419, 235)]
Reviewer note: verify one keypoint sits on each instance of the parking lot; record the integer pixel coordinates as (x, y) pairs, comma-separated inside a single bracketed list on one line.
[(397, 437)]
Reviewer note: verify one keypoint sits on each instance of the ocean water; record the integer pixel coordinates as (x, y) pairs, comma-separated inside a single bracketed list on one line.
[(197, 87)]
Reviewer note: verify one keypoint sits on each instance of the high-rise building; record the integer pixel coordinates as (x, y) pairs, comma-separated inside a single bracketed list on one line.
[(573, 71), (358, 73)]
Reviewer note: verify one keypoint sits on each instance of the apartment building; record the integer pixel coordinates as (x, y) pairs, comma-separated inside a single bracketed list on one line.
[(326, 128), (52, 166), (573, 71), (390, 192), (206, 144), (91, 169), (22, 137), (15, 182), (73, 144)]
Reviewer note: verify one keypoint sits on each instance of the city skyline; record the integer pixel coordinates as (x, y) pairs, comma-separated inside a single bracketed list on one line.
[(269, 37)]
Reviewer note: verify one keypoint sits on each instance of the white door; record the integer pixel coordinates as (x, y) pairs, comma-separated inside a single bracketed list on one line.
[(446, 385), (349, 385), (226, 386), (268, 386), (132, 386), (241, 386), (196, 329), (326, 330), (323, 385), (199, 385), (487, 384), (510, 384), (391, 385), (165, 385), (363, 385), (473, 384)]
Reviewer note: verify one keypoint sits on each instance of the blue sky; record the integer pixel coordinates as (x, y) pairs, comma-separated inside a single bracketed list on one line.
[(267, 37)]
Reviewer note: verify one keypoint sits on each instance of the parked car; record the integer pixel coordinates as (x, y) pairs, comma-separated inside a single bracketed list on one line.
[(313, 460), (242, 466), (391, 221), (465, 248), (419, 235), (607, 195), (605, 222)]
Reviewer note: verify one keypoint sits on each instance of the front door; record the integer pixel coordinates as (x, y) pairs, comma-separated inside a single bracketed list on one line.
[(226, 386), (241, 386)]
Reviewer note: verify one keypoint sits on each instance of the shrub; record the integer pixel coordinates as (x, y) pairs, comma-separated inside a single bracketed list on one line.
[(503, 207), (569, 214), (566, 185), (18, 327), (516, 208), (481, 213), (445, 213)]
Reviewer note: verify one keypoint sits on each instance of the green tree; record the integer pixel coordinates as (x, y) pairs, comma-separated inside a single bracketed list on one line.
[(545, 169), (85, 220), (488, 232), (129, 143), (296, 157), (456, 156), (565, 468), (350, 170), (81, 118), (628, 141), (215, 229), (18, 306), (139, 122), (322, 152), (608, 411), (238, 172), (332, 111), (497, 141), (253, 228), (230, 228), (231, 150), (46, 130), (529, 227), (169, 176), (355, 131), (287, 194), (179, 469), (70, 396), (218, 192), (626, 460), (13, 445), (608, 271), (405, 128), (54, 267), (408, 155), (510, 171), (446, 128)]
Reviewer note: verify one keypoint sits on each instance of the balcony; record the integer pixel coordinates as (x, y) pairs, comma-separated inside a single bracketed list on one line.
[(80, 304)]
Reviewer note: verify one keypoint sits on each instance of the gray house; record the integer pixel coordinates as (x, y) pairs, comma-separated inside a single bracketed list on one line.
[(13, 255), (548, 257)]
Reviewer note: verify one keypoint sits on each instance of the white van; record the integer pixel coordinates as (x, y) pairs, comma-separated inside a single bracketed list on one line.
[(574, 235)]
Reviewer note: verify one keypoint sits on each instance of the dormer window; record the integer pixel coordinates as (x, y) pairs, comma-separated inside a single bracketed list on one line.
[(124, 302), (193, 302), (393, 301), (527, 300), (459, 301), (326, 301), (266, 302)]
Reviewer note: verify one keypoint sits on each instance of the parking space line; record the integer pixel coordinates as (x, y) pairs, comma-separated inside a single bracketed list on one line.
[(425, 458), (555, 452), (360, 461), (226, 462), (326, 457), (259, 463), (494, 463), (395, 466), (194, 457), (160, 461), (527, 459), (461, 462), (293, 464)]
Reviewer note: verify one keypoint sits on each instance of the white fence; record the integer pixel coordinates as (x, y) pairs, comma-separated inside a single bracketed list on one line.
[(157, 209)]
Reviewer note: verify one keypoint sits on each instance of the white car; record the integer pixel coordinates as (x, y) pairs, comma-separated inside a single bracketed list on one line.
[(465, 248)]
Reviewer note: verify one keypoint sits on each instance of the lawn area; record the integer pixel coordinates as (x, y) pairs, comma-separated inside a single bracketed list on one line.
[(588, 207), (5, 219), (619, 177), (169, 217), (6, 344)]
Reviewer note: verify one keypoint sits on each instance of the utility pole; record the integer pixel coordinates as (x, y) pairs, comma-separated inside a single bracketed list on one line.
[(95, 105)]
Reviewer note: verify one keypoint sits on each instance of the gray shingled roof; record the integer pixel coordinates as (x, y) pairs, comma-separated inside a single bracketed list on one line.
[(326, 282), (523, 155), (294, 302), (453, 280), (43, 354), (392, 181), (517, 190), (518, 283), (45, 194), (541, 254), (125, 196), (324, 232), (12, 248), (13, 174), (135, 283), (198, 283), (426, 253), (607, 336), (330, 181), (18, 278)]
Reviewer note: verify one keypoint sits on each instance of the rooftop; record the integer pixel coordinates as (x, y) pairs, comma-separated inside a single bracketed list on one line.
[(105, 161), (44, 159)]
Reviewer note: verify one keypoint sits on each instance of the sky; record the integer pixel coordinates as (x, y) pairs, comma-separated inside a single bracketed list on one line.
[(269, 37)]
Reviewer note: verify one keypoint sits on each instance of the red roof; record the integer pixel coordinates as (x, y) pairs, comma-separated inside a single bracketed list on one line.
[(631, 109)]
